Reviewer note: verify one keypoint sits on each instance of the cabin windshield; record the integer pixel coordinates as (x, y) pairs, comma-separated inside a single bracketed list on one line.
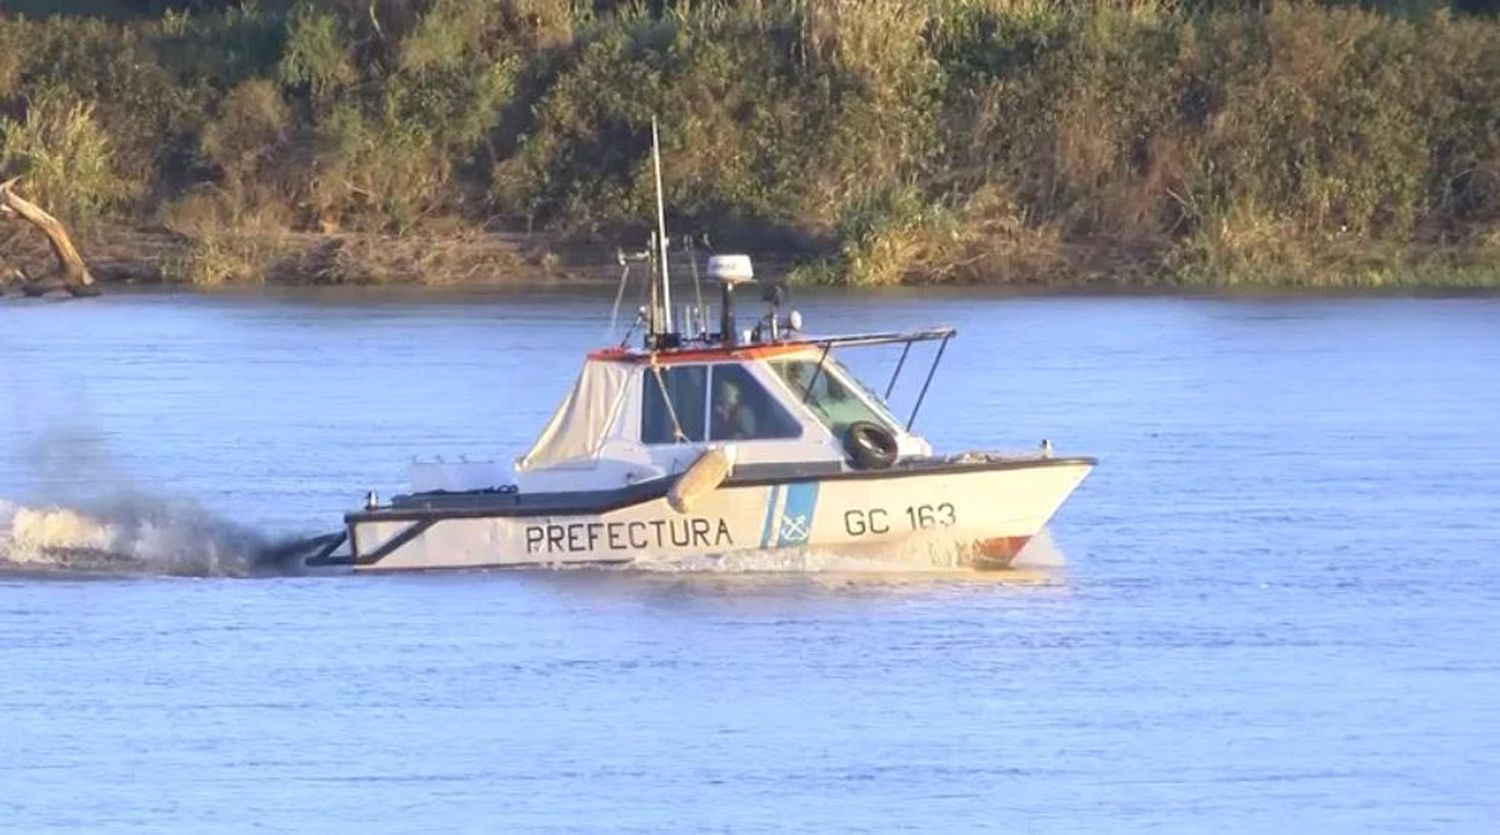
[(833, 397)]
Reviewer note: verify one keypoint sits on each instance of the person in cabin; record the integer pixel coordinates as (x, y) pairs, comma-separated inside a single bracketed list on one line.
[(732, 419)]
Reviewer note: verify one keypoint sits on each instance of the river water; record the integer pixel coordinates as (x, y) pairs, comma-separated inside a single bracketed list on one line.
[(1274, 606)]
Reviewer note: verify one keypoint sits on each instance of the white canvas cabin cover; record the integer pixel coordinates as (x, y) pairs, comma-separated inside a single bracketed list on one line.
[(578, 427)]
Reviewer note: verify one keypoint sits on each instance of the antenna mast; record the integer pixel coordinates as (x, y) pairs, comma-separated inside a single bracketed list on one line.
[(662, 316)]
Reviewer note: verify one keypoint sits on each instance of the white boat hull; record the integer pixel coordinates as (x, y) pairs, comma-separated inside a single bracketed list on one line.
[(981, 514)]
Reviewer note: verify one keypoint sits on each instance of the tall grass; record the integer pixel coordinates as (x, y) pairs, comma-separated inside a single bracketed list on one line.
[(957, 140), (64, 155)]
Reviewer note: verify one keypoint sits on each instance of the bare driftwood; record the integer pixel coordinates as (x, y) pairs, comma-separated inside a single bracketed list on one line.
[(72, 273)]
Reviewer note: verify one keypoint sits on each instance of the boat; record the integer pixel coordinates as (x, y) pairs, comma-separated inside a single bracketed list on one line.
[(711, 439)]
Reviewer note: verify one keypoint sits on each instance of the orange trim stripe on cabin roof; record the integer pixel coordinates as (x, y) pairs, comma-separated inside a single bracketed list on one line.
[(719, 354)]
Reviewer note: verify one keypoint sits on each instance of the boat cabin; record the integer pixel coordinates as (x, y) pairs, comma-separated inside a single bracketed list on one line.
[(637, 416)]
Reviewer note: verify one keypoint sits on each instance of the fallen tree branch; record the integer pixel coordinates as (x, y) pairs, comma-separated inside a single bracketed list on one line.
[(73, 273)]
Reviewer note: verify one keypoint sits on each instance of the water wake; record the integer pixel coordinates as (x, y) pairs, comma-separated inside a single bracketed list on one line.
[(132, 532)]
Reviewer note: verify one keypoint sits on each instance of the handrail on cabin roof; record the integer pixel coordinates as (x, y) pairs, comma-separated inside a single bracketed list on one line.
[(857, 340)]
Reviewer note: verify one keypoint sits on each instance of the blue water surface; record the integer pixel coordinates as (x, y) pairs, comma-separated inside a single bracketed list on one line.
[(1277, 607)]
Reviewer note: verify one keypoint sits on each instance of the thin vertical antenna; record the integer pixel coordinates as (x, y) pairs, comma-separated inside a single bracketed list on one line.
[(653, 320), (661, 235), (697, 285)]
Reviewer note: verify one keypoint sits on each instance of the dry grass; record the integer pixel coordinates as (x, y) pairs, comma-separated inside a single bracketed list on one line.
[(464, 258)]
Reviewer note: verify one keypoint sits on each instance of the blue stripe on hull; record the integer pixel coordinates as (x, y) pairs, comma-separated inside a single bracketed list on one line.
[(770, 527)]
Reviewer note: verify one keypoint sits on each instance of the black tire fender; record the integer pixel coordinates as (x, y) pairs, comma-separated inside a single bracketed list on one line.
[(870, 446)]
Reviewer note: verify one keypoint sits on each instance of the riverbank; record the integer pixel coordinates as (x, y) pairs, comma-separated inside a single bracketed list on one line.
[(943, 141), (475, 259)]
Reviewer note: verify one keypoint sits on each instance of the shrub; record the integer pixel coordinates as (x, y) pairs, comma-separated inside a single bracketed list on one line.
[(316, 56), (64, 155), (220, 257), (253, 122)]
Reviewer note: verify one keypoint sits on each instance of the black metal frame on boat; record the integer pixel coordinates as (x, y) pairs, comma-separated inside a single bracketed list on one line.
[(891, 338), (860, 340)]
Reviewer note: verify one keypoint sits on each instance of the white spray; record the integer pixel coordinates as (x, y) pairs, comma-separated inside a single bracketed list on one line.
[(85, 515)]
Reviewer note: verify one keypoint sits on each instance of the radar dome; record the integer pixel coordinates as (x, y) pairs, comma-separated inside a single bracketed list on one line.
[(731, 269)]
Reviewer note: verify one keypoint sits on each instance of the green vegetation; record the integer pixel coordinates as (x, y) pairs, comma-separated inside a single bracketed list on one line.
[(1018, 141)]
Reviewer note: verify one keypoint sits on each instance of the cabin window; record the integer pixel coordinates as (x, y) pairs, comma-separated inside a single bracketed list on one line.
[(832, 397), (685, 387), (744, 411)]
